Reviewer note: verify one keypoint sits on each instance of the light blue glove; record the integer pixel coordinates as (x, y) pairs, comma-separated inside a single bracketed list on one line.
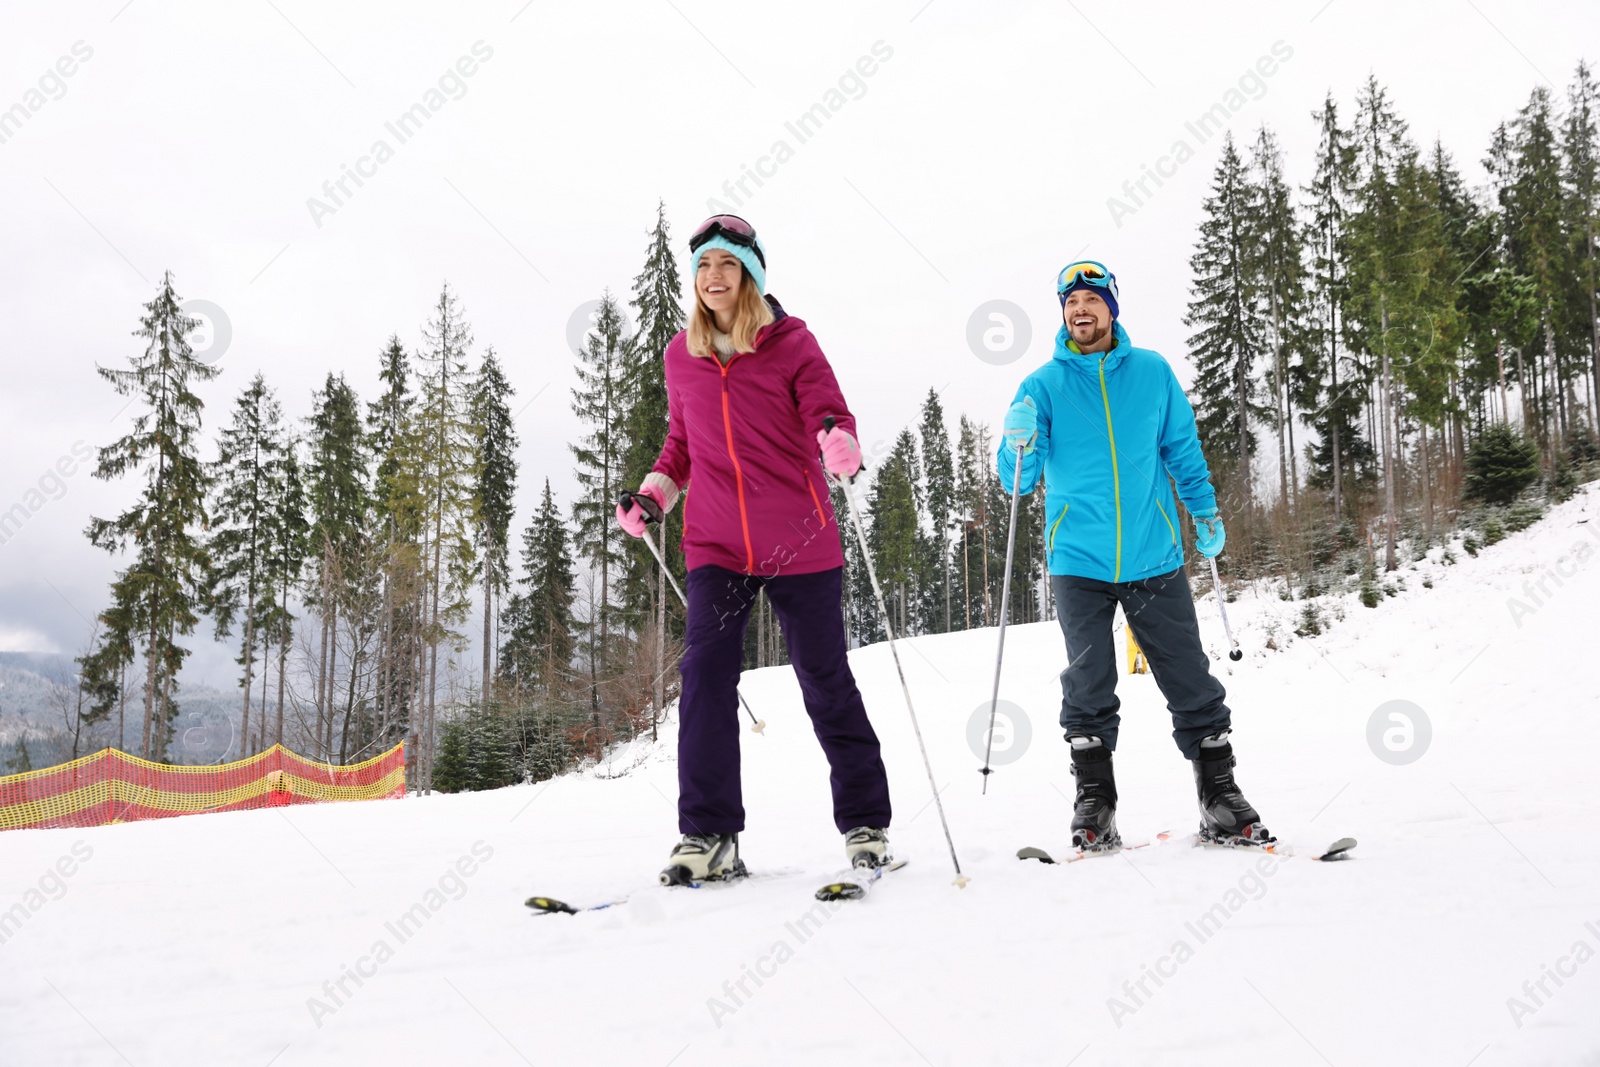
[(1021, 426), (1209, 533)]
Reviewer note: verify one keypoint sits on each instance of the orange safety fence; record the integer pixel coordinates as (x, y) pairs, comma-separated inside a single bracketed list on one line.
[(111, 786)]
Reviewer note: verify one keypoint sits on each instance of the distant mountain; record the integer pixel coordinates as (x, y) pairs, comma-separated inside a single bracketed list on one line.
[(34, 685)]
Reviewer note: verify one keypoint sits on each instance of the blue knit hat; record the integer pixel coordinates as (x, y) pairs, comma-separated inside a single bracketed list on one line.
[(747, 256), (1105, 287), (1103, 294)]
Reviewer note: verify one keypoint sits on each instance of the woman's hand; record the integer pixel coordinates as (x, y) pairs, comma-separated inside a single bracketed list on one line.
[(645, 506), (841, 456)]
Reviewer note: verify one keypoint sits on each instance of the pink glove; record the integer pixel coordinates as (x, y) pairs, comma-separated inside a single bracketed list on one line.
[(632, 520), (841, 456)]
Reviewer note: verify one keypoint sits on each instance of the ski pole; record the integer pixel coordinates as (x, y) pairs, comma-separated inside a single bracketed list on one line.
[(1005, 612), (961, 880), (653, 517), (1234, 652)]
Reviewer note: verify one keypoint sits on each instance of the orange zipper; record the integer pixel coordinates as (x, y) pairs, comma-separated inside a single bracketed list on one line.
[(738, 475)]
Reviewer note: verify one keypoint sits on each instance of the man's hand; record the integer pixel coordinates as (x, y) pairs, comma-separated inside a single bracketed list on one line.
[(1209, 533), (1021, 426)]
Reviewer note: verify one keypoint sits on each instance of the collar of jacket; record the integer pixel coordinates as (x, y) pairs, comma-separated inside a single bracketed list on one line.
[(779, 317), (1068, 353)]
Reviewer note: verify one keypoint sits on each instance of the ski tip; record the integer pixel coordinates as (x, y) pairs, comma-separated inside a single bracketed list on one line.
[(550, 906), (1339, 850), (841, 891), (1031, 853)]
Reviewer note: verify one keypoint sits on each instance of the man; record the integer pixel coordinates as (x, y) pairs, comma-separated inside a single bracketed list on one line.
[(1106, 424)]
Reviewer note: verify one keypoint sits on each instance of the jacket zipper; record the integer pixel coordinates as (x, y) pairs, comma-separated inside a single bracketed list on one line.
[(1170, 529), (738, 474), (1056, 525), (1116, 478), (813, 491)]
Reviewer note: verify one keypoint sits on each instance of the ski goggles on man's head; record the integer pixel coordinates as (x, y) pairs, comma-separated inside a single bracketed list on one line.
[(1089, 272), (730, 228)]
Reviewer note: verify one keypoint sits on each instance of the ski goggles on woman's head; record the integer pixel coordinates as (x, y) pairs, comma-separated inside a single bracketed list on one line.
[(1088, 272), (730, 228)]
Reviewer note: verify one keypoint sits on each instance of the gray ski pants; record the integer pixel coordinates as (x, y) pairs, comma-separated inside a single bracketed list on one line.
[(1161, 612)]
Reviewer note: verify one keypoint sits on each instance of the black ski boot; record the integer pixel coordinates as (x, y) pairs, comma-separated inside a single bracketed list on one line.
[(1094, 813), (704, 858), (1226, 817)]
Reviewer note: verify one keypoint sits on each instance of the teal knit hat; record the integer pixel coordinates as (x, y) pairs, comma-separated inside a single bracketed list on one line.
[(747, 256)]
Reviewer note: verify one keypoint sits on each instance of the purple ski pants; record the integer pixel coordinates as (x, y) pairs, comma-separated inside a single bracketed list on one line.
[(710, 800)]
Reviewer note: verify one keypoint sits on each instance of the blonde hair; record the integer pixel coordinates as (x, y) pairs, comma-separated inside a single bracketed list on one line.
[(749, 316)]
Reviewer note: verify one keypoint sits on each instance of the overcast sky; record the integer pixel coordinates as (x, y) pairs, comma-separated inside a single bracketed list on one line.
[(968, 152)]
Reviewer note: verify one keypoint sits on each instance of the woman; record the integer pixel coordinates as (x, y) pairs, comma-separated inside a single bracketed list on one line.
[(748, 391)]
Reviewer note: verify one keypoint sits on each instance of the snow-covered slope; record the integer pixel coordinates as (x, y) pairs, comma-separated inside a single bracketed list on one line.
[(278, 936)]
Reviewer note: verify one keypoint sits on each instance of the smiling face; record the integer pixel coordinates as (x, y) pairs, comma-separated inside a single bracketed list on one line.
[(717, 282), (1088, 320)]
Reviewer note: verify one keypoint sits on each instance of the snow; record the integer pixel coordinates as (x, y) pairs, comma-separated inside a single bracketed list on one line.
[(204, 940)]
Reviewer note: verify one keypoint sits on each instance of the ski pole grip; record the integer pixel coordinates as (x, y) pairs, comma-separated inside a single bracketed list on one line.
[(828, 422), (652, 510)]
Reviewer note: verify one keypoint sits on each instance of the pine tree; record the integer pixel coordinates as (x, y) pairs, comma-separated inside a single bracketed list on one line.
[(1468, 239), (1580, 153), (1538, 247), (1276, 246), (1431, 333), (599, 403), (450, 772), (246, 491), (1500, 465), (1333, 386), (398, 511), (939, 470), (336, 484), (972, 475), (658, 310), (440, 460), (894, 506), (496, 484), (1506, 301), (1377, 266), (288, 539), (1224, 312), (536, 657), (157, 596), (862, 621)]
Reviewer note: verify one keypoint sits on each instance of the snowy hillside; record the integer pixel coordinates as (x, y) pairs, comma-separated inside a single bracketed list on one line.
[(280, 936)]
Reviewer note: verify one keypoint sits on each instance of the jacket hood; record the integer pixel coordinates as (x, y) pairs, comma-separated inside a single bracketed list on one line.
[(1073, 358), (781, 323)]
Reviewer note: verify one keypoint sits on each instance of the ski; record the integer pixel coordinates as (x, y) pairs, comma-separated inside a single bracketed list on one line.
[(551, 906), (859, 882), (1339, 850), (1031, 853)]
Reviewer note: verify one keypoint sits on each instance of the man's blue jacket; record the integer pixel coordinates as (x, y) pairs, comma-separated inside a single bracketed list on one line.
[(1112, 427)]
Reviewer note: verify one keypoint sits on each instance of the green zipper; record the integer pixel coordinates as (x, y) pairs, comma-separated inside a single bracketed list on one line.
[(1055, 526), (1170, 528), (1116, 478)]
